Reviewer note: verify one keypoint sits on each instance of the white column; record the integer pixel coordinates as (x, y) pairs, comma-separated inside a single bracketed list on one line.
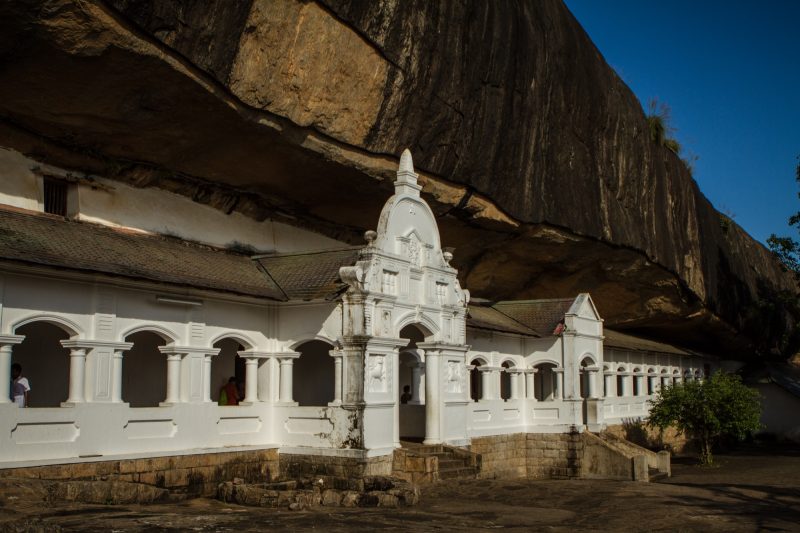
[(286, 379), (77, 373), (337, 376), (251, 380), (487, 385), (116, 376), (416, 382), (608, 384), (623, 384), (173, 378), (638, 382), (591, 381), (207, 378), (558, 394), (5, 373), (7, 343), (515, 375), (652, 383), (432, 407), (530, 380)]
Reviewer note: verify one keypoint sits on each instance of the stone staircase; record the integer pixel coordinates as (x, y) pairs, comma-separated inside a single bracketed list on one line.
[(431, 463)]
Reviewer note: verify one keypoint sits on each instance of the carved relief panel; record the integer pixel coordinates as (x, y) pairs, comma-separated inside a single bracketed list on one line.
[(377, 379)]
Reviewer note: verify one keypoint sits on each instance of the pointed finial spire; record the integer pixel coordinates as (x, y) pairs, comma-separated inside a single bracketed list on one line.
[(406, 162), (406, 182)]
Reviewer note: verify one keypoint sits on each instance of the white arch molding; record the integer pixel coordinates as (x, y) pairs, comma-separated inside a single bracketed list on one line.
[(68, 326), (308, 337), (170, 337), (238, 337), (430, 330)]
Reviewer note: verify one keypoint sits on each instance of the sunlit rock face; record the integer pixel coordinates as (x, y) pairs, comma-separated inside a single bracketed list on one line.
[(533, 153)]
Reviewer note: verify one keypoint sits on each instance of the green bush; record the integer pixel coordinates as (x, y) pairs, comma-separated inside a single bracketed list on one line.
[(718, 406)]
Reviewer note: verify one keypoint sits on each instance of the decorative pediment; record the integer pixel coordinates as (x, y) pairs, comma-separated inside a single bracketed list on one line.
[(407, 226)]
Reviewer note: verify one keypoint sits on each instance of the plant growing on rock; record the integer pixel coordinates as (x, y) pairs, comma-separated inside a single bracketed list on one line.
[(658, 120), (719, 406), (786, 248)]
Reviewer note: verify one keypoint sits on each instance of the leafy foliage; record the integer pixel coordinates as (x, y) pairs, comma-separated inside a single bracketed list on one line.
[(720, 405), (786, 248)]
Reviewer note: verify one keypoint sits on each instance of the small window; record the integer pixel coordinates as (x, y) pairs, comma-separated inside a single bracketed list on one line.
[(55, 197), (389, 282), (441, 293)]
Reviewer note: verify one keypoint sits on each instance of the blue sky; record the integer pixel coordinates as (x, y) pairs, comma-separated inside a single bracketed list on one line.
[(730, 72)]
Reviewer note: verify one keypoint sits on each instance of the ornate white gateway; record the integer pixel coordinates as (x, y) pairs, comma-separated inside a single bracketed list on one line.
[(403, 295)]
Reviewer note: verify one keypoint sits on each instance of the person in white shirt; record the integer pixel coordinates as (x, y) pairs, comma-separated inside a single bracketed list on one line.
[(20, 387)]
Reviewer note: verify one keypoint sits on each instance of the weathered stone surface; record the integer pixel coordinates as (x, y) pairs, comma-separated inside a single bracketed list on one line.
[(532, 151), (376, 491)]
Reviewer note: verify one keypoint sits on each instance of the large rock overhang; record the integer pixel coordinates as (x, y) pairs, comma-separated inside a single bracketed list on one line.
[(83, 86)]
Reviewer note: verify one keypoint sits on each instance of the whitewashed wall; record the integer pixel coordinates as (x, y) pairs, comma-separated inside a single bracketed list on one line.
[(153, 210)]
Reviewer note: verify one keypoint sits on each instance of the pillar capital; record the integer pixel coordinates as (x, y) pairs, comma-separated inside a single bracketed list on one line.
[(10, 340), (186, 350)]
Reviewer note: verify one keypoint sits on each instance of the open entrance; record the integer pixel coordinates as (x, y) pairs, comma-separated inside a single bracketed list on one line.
[(505, 381), (621, 381), (45, 363), (144, 370), (586, 376), (225, 365), (412, 385), (313, 374), (637, 381), (651, 382), (475, 381), (544, 382)]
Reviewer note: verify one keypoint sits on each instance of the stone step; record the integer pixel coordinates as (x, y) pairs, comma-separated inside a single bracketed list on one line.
[(655, 475), (446, 464), (458, 473)]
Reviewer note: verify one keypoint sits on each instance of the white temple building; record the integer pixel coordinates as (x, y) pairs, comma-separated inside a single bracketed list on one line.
[(128, 315)]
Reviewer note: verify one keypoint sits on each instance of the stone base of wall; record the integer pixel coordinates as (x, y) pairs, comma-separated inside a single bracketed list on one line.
[(145, 480), (370, 491), (638, 433), (296, 466), (414, 468), (531, 455)]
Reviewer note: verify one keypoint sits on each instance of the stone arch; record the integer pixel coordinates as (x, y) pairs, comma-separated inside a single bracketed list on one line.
[(168, 336), (588, 359), (309, 337), (72, 329), (144, 367), (242, 339), (45, 362), (422, 321), (313, 375), (228, 364)]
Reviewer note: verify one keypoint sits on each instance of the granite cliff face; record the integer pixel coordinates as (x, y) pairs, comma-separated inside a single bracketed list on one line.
[(532, 151)]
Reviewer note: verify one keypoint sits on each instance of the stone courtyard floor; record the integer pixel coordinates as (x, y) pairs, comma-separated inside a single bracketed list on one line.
[(754, 491)]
